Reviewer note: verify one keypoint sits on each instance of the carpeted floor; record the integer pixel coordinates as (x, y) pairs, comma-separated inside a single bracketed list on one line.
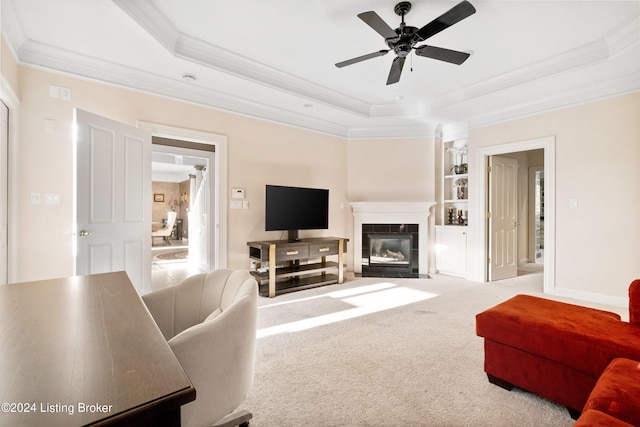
[(387, 352)]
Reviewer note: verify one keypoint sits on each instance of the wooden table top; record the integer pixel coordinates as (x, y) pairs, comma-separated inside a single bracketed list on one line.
[(83, 350)]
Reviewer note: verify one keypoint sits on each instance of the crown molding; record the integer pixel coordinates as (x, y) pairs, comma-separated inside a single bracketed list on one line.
[(149, 17), (393, 132), (52, 58), (190, 48), (193, 49), (602, 89), (455, 131), (10, 26)]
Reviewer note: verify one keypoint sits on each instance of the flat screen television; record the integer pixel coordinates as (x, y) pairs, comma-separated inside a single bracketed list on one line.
[(296, 208)]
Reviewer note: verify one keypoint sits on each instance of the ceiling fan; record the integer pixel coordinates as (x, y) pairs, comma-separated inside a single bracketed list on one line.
[(404, 38)]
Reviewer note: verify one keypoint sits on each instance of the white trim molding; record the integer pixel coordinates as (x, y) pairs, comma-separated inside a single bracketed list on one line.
[(11, 100)]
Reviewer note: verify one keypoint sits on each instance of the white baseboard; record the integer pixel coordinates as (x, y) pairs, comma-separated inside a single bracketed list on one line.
[(592, 297)]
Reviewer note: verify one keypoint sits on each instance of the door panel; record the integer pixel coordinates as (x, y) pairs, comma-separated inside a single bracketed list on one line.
[(100, 192), (113, 191), (135, 198), (503, 221)]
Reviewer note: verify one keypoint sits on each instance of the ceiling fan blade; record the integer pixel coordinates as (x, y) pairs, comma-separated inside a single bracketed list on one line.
[(442, 54), (457, 13), (374, 21), (361, 58), (396, 70)]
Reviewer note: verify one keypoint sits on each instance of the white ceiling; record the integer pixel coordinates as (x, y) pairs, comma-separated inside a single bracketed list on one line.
[(275, 59)]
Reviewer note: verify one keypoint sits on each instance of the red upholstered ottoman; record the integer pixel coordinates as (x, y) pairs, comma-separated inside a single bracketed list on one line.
[(554, 349), (617, 391), (593, 418)]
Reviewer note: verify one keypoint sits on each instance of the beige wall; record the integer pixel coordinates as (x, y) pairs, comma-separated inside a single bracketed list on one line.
[(597, 163), (171, 191), (391, 170), (259, 153)]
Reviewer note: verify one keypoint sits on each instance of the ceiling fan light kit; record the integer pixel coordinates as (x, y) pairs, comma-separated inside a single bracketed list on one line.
[(403, 39)]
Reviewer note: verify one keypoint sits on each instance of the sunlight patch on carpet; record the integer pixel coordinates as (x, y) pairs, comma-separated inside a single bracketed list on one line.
[(365, 300)]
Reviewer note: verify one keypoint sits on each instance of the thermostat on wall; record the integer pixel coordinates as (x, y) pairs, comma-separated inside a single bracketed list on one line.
[(237, 193)]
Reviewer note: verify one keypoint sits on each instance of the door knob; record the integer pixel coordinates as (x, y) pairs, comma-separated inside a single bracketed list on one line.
[(84, 233)]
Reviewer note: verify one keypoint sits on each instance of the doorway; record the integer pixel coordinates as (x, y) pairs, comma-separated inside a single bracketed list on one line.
[(181, 179), (479, 233), (536, 212), (216, 177)]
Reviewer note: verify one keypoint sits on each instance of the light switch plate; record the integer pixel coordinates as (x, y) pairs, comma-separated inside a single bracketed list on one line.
[(52, 199), (35, 198), (65, 94)]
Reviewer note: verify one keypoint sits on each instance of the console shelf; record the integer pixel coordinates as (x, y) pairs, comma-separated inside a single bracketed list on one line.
[(292, 266)]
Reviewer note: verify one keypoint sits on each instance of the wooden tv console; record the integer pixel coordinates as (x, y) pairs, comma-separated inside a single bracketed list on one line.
[(296, 265)]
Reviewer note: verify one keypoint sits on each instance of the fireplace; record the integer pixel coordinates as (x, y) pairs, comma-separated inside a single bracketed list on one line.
[(390, 250), (384, 216)]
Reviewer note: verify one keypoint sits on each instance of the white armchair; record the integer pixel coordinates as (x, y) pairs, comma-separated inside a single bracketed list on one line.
[(209, 321), (166, 230)]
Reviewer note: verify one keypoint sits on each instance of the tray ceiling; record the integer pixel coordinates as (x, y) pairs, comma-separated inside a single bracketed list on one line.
[(275, 60)]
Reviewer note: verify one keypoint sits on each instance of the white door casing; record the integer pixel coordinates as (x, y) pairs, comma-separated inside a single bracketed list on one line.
[(4, 193), (218, 181), (478, 207), (112, 227), (503, 218)]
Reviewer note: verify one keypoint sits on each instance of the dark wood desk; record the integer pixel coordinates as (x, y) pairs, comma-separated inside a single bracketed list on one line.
[(85, 351)]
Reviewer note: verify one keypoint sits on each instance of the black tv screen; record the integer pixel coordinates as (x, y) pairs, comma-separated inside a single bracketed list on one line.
[(296, 208)]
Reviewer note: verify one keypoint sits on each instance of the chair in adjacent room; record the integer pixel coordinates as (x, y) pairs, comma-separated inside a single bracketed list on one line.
[(209, 321), (166, 230)]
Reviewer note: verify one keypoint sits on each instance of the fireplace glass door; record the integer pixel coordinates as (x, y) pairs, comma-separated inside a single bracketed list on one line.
[(390, 249)]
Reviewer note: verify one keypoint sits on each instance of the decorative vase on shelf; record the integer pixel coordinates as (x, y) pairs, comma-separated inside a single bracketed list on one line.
[(461, 188), (460, 169)]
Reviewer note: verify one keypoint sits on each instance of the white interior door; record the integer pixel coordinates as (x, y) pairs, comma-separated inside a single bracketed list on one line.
[(4, 196), (113, 191), (503, 218)]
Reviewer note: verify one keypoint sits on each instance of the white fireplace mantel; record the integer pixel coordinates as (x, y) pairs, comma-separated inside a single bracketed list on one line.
[(392, 213)]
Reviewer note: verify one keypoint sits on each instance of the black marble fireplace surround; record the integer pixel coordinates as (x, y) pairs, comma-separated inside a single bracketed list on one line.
[(390, 250)]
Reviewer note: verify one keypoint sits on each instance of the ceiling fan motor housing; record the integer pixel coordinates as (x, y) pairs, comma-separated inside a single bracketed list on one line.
[(402, 44)]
